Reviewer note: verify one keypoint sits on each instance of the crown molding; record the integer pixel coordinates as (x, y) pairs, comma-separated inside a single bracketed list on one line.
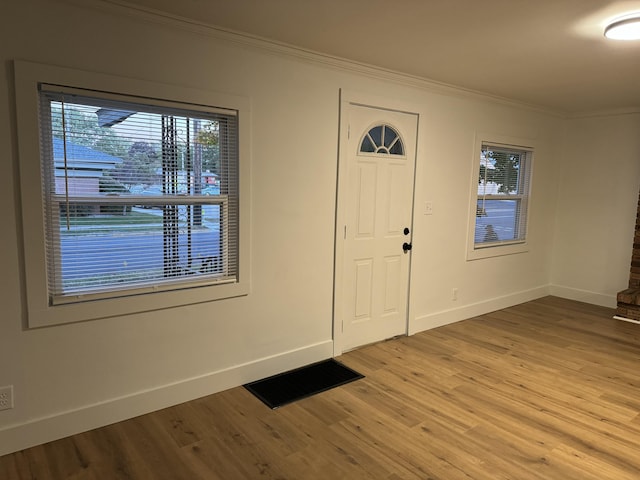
[(614, 112), (274, 47)]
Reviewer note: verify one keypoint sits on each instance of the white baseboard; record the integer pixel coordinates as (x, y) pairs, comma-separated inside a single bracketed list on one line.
[(45, 429), (625, 319), (445, 317), (63, 424), (594, 298)]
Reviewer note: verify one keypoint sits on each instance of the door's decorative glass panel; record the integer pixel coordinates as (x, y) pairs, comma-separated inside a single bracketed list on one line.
[(382, 139)]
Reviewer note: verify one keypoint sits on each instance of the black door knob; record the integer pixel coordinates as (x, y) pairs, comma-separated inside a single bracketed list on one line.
[(406, 247)]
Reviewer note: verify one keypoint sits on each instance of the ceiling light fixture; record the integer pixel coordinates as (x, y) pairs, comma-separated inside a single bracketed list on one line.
[(624, 29)]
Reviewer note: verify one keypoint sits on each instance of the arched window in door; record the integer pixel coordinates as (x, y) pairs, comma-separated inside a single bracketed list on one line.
[(382, 139)]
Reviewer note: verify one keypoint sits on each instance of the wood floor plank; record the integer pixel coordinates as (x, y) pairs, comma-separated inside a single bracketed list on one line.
[(546, 390)]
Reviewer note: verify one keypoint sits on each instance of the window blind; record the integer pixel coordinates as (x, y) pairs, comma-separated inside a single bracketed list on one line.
[(503, 186), (140, 195)]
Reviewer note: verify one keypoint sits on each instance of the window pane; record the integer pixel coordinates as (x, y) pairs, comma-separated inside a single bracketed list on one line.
[(382, 139), (397, 148), (367, 146), (499, 173), (502, 199), (392, 141), (376, 135), (134, 148), (108, 168), (497, 221), (128, 245), (389, 136)]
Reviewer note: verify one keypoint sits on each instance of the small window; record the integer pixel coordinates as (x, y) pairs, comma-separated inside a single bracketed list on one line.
[(500, 199), (383, 139), (139, 201)]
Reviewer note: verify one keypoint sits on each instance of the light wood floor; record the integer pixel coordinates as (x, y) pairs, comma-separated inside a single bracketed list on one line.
[(545, 390)]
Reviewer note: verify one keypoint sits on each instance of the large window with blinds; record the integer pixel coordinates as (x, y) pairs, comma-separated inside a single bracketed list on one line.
[(500, 198), (140, 196)]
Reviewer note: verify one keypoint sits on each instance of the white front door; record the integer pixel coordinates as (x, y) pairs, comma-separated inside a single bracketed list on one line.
[(375, 206)]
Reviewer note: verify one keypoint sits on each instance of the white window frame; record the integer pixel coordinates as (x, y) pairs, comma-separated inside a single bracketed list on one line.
[(509, 247), (40, 309)]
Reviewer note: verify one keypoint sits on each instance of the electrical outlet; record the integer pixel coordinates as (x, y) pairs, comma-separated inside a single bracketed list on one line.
[(6, 397), (454, 294)]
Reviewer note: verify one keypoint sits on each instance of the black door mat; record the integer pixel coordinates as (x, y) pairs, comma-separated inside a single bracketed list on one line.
[(302, 382)]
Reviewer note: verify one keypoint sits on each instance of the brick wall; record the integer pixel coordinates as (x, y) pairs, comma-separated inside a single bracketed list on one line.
[(629, 299)]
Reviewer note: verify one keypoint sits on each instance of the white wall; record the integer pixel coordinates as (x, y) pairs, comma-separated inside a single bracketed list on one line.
[(79, 376), (598, 197), (445, 176)]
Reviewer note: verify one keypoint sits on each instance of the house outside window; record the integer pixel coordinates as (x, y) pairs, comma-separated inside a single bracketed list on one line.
[(500, 200), (139, 200)]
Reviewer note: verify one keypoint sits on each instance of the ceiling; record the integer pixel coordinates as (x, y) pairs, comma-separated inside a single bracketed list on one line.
[(547, 53)]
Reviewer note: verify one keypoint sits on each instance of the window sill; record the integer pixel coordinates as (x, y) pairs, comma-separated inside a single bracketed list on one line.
[(496, 251), (45, 315)]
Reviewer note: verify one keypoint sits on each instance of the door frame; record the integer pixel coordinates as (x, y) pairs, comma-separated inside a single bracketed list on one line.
[(346, 99)]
